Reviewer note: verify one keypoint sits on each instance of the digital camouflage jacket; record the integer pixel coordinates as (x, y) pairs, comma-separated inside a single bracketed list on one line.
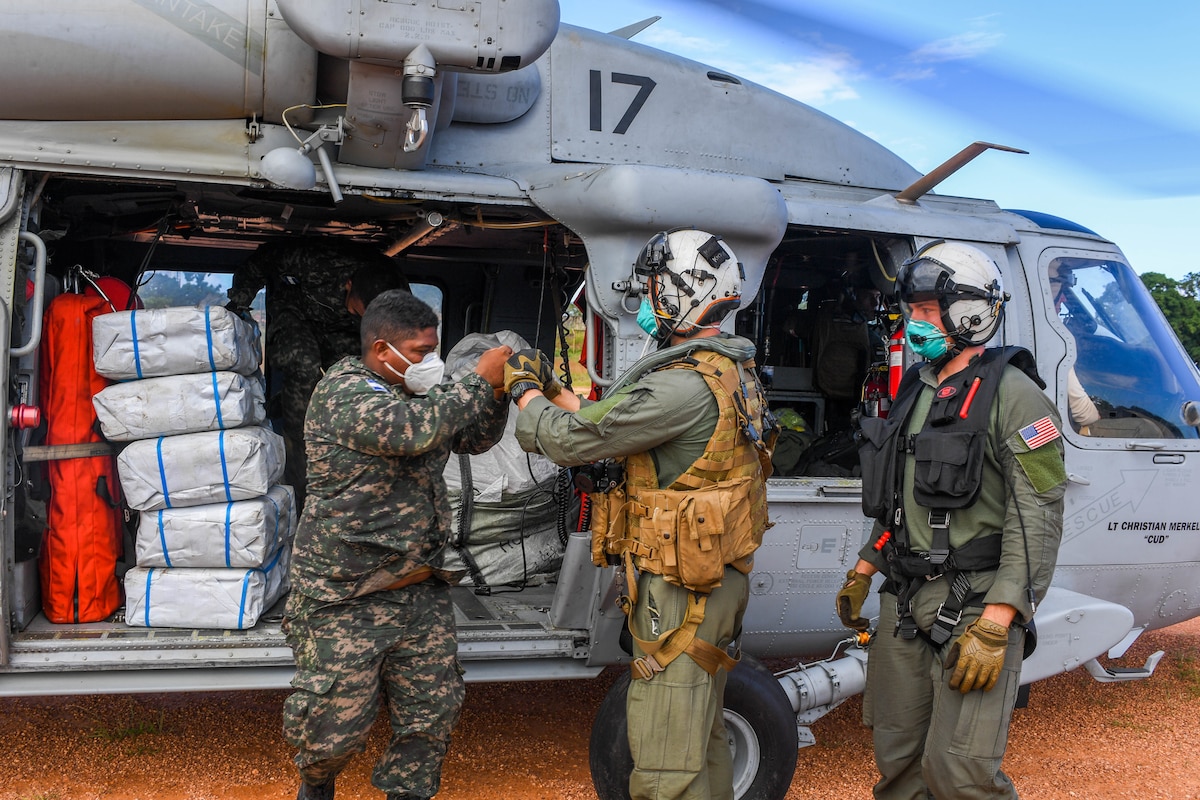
[(377, 505)]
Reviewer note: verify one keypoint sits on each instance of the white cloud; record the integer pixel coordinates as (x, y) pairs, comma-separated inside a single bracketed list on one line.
[(815, 81), (698, 48), (910, 74), (956, 48), (823, 76)]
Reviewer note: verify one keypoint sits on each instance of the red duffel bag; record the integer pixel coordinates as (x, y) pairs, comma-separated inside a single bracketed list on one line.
[(83, 535)]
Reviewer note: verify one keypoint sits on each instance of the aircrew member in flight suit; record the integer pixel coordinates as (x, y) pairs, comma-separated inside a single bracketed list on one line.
[(1080, 406), (690, 427), (968, 521)]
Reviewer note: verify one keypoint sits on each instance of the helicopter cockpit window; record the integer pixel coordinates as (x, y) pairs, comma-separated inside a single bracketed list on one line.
[(1130, 379)]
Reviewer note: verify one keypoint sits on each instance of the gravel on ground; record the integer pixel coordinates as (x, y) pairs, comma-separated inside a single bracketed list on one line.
[(528, 741)]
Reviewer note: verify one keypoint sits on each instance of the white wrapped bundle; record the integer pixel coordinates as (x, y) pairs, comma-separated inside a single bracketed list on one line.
[(204, 598), (175, 404), (237, 535), (525, 559), (197, 468), (511, 540), (505, 469), (151, 343)]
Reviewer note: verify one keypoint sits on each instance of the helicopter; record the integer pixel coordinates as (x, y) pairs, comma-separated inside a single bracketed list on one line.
[(513, 166)]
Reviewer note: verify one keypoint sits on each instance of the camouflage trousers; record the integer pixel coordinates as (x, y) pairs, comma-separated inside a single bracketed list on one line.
[(676, 719), (393, 646), (300, 352)]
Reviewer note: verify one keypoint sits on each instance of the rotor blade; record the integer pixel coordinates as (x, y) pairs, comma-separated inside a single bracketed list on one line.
[(630, 31)]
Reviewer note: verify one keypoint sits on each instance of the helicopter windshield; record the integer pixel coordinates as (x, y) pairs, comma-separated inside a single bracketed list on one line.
[(1129, 362)]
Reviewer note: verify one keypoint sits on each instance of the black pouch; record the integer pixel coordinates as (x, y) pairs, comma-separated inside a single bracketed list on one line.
[(877, 455), (949, 468)]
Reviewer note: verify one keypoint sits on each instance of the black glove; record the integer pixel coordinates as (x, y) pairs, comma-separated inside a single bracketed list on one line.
[(531, 367), (851, 598), (978, 656)]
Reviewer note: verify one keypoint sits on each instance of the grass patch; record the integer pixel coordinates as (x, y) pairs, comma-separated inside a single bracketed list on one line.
[(1128, 723), (1187, 670), (42, 796), (133, 731)]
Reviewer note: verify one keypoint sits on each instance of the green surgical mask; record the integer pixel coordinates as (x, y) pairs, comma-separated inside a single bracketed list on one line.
[(926, 340), (647, 320)]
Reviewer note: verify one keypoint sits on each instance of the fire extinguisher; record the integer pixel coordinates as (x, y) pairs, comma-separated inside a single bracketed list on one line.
[(875, 400), (895, 359)]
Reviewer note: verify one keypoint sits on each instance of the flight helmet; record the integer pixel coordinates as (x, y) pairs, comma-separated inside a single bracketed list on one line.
[(966, 284), (693, 280)]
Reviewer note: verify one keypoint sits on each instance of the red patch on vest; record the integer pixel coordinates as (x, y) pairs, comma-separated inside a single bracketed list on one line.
[(946, 391)]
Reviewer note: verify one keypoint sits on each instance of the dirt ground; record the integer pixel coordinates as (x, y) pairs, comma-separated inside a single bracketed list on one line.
[(1077, 739)]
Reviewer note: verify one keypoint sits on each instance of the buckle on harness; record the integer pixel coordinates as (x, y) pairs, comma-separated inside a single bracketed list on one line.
[(939, 521), (948, 617), (645, 667), (944, 624)]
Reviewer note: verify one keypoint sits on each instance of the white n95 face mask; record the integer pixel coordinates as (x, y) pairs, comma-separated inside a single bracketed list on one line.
[(419, 378)]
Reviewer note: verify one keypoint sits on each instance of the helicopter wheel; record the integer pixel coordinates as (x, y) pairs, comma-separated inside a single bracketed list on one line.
[(758, 719)]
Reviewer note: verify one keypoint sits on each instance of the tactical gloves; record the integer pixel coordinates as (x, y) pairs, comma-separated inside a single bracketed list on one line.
[(851, 598), (978, 656), (530, 369)]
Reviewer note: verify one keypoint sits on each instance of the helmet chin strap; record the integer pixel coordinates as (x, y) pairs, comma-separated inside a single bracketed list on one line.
[(955, 350)]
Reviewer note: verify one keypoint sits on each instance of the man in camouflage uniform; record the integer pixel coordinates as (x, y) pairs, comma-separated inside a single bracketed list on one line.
[(370, 617), (316, 292)]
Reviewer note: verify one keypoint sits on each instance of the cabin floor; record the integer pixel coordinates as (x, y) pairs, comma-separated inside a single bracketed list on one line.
[(506, 624)]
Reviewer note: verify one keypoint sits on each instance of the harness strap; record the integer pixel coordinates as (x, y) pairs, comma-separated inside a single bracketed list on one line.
[(909, 573), (950, 612), (939, 522), (976, 555), (678, 641), (635, 546), (628, 600)]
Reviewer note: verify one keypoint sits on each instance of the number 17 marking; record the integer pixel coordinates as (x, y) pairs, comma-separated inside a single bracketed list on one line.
[(645, 87)]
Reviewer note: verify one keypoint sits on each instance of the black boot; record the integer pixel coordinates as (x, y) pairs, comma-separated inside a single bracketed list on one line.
[(310, 791)]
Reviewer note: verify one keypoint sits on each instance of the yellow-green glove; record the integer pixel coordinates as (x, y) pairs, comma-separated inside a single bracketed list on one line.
[(978, 656), (531, 367), (851, 598)]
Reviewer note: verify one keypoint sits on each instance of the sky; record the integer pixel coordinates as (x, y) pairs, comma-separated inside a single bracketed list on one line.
[(1104, 96)]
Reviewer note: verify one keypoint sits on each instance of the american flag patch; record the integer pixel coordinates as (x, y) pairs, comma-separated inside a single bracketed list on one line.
[(1039, 433)]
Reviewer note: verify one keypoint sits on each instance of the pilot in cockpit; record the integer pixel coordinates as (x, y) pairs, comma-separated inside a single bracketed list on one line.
[(1080, 406)]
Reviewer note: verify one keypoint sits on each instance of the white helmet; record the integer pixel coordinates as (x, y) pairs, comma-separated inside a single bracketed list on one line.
[(693, 280), (964, 281)]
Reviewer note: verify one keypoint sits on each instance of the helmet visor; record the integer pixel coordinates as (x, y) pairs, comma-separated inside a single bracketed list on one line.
[(923, 278)]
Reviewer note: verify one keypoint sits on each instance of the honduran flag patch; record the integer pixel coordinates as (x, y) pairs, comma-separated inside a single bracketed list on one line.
[(1039, 433)]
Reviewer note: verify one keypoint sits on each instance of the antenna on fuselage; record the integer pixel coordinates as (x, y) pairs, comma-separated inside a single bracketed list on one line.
[(630, 31), (948, 168)]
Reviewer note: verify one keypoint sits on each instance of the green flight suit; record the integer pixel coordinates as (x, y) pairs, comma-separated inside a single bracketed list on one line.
[(931, 740), (676, 724)]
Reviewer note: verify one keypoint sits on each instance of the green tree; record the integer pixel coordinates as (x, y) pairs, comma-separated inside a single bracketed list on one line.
[(1180, 304), (166, 289)]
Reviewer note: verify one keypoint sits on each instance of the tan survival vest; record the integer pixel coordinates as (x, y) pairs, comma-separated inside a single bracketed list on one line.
[(713, 515)]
